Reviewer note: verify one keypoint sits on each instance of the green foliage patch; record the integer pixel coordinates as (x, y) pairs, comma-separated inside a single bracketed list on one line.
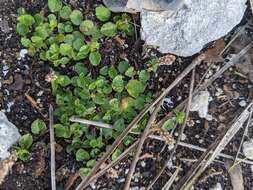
[(115, 95)]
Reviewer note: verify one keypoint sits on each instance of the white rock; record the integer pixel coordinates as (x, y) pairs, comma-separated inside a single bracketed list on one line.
[(183, 137), (248, 149), (22, 53), (8, 135), (194, 25), (217, 187), (200, 103), (138, 5), (243, 103)]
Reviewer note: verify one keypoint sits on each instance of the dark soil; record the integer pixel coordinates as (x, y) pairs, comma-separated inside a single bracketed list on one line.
[(20, 76)]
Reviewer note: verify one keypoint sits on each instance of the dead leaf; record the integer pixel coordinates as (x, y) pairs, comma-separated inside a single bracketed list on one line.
[(166, 60), (71, 179), (120, 41), (112, 173), (212, 55), (145, 156), (32, 101), (6, 165), (235, 174), (40, 166)]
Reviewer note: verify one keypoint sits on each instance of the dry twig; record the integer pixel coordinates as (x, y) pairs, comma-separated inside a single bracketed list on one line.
[(186, 145), (139, 147), (94, 170), (212, 152), (180, 135), (206, 84), (171, 180), (244, 134), (52, 147)]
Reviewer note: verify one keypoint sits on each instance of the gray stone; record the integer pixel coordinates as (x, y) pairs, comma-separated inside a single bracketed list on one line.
[(200, 104), (8, 135), (248, 149), (138, 5), (190, 28), (217, 187)]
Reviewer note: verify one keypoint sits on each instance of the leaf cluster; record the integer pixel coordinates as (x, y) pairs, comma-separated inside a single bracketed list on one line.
[(65, 35)]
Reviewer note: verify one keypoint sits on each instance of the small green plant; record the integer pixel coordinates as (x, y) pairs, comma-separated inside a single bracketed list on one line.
[(172, 122), (25, 143), (38, 127), (103, 13), (114, 95), (61, 36)]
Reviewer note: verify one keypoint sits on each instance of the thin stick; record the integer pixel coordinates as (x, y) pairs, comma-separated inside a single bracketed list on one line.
[(89, 122), (244, 134), (180, 135), (114, 162), (212, 152), (52, 147), (186, 145), (171, 180), (94, 170), (139, 147), (206, 84)]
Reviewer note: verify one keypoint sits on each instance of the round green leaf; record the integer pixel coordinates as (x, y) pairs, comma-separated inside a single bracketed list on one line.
[(123, 66), (68, 28), (95, 58), (109, 29), (91, 163), (26, 19), (38, 126), (78, 43), (114, 104), (65, 49), (62, 131), (130, 72), (82, 155), (80, 68), (169, 124), (144, 76), (86, 27), (22, 29), (135, 88), (23, 154), (84, 171), (25, 142), (116, 154), (102, 13), (26, 42), (112, 72), (65, 12), (54, 5), (76, 17), (118, 84)]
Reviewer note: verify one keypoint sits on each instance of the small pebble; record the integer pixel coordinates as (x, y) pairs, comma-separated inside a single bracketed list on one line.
[(217, 187), (183, 137), (242, 103), (121, 180), (5, 70), (248, 149), (22, 53), (143, 164)]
